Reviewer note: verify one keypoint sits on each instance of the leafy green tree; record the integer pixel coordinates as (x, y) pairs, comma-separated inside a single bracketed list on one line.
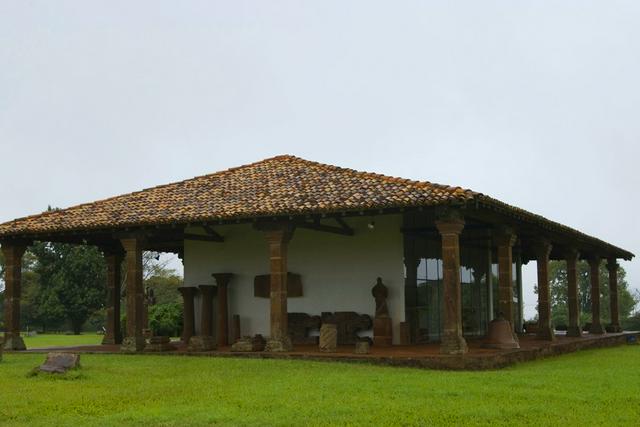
[(559, 300), (166, 319), (72, 282)]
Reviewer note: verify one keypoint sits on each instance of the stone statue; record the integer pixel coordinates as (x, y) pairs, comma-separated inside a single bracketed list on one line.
[(382, 321), (380, 293)]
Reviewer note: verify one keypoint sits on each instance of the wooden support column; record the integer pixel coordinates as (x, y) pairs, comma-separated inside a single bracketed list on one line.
[(278, 237), (188, 327), (612, 266), (222, 312), (452, 340), (113, 334), (573, 300), (542, 250), (134, 341), (207, 293), (12, 281), (596, 324), (505, 240)]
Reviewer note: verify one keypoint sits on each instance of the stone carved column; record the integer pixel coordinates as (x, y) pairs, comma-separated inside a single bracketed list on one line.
[(612, 266), (542, 250), (596, 324), (505, 240), (574, 329), (134, 341), (222, 312), (452, 339), (12, 281), (278, 238), (188, 325), (206, 315), (113, 334)]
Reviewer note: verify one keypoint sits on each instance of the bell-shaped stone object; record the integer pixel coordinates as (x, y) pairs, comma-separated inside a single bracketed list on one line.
[(500, 335)]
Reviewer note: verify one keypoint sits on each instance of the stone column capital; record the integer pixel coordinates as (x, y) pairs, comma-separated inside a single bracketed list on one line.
[(132, 243), (542, 248), (571, 255), (450, 225), (594, 261), (13, 249), (222, 279), (504, 236), (208, 291), (187, 291)]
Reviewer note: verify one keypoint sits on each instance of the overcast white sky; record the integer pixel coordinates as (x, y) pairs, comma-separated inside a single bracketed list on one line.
[(534, 103)]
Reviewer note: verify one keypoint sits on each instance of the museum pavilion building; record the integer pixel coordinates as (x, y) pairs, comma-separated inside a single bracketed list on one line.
[(286, 236)]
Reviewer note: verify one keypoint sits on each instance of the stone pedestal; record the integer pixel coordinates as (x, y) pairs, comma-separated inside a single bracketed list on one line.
[(382, 331), (328, 338), (362, 347), (201, 343), (159, 343), (132, 344), (248, 344), (282, 344)]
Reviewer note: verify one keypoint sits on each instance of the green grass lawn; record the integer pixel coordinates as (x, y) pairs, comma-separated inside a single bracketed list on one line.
[(596, 387), (61, 340)]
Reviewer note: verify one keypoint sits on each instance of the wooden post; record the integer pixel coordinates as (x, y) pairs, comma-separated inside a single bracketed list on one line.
[(596, 324), (278, 237), (134, 341), (574, 329), (542, 249), (505, 241), (113, 334), (207, 293), (452, 340), (222, 312), (612, 266), (188, 327), (12, 281)]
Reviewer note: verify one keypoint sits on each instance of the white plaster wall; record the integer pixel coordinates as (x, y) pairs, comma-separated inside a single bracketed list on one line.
[(337, 271)]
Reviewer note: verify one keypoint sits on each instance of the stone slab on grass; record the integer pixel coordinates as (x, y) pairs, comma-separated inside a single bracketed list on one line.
[(59, 363)]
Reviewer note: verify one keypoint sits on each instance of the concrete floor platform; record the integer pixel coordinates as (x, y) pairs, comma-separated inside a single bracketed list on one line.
[(417, 356)]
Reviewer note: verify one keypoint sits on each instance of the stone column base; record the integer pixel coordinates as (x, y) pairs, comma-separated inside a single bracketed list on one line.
[(546, 334), (613, 328), (202, 343), (596, 329), (453, 344), (574, 331), (159, 343), (107, 340), (14, 344), (132, 345), (277, 345)]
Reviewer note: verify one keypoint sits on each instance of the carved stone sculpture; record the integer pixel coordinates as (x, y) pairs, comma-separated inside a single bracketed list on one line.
[(300, 324), (382, 333)]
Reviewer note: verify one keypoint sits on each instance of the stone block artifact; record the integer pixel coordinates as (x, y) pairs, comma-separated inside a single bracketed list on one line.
[(201, 343), (500, 335), (159, 343), (249, 344), (362, 347), (348, 324), (328, 338), (59, 363), (382, 331), (300, 324)]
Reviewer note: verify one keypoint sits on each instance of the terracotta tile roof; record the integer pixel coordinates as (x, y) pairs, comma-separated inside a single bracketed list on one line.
[(282, 185)]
